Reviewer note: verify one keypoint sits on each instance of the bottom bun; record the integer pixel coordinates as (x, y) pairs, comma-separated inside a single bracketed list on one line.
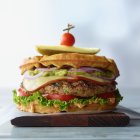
[(37, 108)]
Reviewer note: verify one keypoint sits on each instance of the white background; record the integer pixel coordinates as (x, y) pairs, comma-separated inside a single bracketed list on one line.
[(112, 25)]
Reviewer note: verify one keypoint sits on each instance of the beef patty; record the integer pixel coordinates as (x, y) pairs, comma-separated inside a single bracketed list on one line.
[(78, 88)]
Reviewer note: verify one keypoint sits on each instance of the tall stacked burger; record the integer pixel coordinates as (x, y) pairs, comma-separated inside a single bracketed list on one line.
[(68, 79)]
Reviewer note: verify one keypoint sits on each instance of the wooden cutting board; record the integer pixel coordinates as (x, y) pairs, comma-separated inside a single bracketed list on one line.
[(109, 119)]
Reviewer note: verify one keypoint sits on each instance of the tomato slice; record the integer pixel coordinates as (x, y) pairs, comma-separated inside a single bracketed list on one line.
[(70, 97), (22, 92), (60, 97), (106, 95)]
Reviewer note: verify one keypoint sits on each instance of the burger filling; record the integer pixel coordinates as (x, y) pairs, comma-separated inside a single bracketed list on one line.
[(68, 86)]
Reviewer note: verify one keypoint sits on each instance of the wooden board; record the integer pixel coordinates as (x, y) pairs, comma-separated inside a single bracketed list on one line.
[(80, 120)]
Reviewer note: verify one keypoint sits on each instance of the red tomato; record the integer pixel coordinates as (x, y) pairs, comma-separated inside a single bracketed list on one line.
[(60, 97), (67, 39), (106, 95), (22, 92)]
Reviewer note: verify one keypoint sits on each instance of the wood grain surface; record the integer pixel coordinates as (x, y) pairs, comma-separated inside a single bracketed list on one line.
[(73, 120)]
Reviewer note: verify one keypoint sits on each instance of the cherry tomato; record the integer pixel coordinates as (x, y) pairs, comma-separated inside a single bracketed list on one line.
[(67, 39), (106, 95), (60, 97), (22, 92)]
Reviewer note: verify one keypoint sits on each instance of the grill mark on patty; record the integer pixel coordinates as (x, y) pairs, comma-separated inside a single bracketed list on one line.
[(78, 88)]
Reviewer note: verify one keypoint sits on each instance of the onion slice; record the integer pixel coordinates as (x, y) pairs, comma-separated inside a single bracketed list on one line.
[(46, 69), (76, 70), (30, 77), (90, 69)]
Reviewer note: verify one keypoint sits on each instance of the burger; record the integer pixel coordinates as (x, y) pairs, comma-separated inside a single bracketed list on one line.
[(67, 79)]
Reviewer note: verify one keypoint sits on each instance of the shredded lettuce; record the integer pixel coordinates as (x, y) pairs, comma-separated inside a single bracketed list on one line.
[(63, 105)]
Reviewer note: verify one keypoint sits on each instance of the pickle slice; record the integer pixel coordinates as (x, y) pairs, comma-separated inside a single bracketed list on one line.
[(50, 50)]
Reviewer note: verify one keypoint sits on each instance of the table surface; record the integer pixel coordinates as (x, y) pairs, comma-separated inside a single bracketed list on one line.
[(132, 131)]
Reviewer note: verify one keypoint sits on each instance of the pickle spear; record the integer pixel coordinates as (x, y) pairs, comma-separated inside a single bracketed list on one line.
[(50, 50)]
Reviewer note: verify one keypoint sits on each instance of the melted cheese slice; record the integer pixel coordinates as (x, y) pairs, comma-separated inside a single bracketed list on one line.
[(35, 84)]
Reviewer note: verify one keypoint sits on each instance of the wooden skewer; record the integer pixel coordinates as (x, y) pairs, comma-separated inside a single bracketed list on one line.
[(70, 26)]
